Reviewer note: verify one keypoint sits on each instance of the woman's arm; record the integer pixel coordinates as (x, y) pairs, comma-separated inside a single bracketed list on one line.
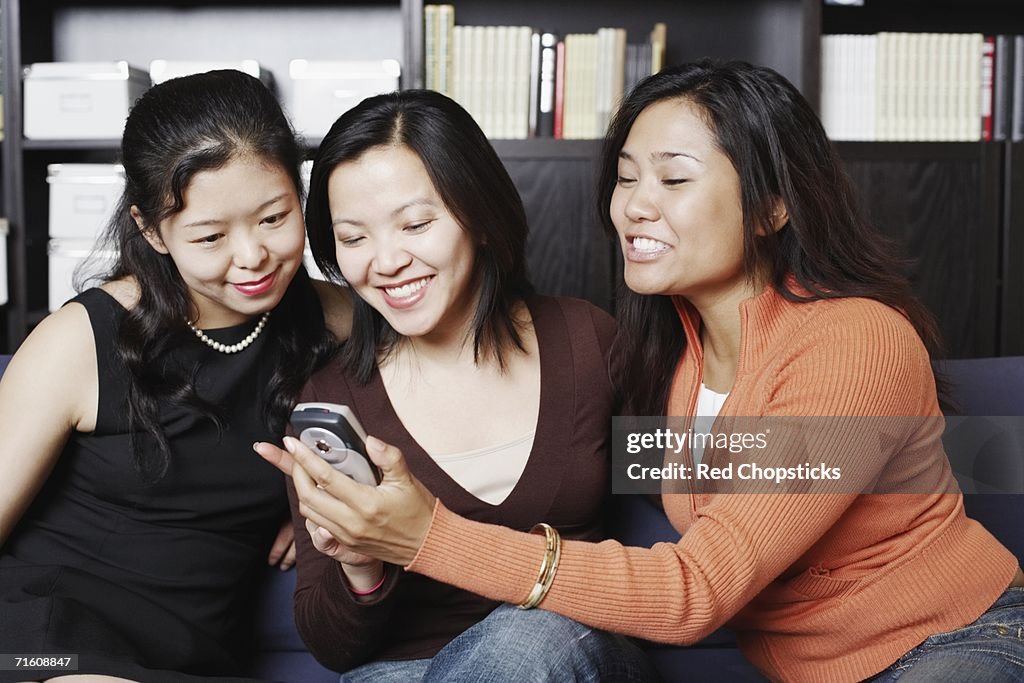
[(739, 542), (49, 389), (672, 592), (341, 629)]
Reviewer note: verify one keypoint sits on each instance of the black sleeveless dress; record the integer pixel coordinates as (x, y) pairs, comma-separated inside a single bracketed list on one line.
[(141, 580)]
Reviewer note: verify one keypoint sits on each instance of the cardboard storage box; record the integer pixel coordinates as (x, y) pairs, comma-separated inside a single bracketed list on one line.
[(80, 100), (65, 257), (161, 70), (324, 90), (82, 198)]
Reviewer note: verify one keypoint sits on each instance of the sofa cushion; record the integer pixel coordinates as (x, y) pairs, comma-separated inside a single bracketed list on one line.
[(275, 621), (993, 387)]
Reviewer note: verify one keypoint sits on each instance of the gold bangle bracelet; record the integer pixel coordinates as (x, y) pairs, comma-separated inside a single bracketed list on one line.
[(548, 567)]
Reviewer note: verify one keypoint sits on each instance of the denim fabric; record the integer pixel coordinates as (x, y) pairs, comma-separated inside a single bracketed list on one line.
[(990, 650), (388, 672), (520, 645)]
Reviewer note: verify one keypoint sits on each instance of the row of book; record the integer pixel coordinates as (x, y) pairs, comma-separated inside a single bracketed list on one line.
[(1003, 88), (922, 86), (518, 82)]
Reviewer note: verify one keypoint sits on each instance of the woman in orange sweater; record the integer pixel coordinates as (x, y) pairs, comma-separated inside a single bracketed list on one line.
[(758, 291)]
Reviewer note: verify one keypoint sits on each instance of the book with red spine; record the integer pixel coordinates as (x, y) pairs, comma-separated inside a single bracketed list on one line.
[(988, 59), (559, 87)]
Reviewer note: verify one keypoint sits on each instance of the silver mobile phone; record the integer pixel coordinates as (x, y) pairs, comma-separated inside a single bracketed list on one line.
[(332, 431)]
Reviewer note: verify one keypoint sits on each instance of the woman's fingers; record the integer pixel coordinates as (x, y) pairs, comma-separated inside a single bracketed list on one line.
[(284, 545), (322, 539), (289, 557), (280, 459), (389, 459), (320, 506), (326, 477), (388, 522)]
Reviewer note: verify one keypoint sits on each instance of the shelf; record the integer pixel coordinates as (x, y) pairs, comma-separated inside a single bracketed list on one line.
[(60, 145), (190, 4), (918, 16), (777, 33), (911, 151), (533, 148), (956, 205), (547, 148)]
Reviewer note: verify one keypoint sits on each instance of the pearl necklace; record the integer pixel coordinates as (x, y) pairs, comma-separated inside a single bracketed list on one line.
[(233, 348)]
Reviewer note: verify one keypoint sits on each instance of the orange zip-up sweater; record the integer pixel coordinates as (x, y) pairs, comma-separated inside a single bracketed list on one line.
[(818, 586)]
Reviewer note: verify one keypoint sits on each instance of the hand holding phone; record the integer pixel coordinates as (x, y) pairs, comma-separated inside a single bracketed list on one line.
[(333, 432)]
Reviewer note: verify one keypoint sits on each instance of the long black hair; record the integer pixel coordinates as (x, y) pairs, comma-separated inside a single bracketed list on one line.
[(475, 188), (780, 150), (176, 130)]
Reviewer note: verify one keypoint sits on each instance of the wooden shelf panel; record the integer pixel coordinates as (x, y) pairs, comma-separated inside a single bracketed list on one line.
[(547, 148), (73, 145), (918, 16), (912, 151)]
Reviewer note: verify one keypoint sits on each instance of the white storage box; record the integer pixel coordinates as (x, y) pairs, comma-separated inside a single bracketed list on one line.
[(161, 70), (80, 100), (311, 267), (3, 261), (65, 257), (324, 90), (82, 198), (305, 171)]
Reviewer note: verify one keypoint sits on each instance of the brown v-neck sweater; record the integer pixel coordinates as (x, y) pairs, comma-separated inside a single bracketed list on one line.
[(565, 483), (818, 586)]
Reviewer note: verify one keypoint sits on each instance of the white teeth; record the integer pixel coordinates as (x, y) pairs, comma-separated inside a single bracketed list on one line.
[(646, 244), (407, 290)]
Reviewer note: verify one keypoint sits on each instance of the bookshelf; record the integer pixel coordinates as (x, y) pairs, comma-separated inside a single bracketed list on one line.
[(953, 205), (782, 34), (957, 207), (138, 32)]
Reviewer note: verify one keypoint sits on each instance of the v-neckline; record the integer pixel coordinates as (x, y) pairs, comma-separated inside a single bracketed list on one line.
[(555, 391)]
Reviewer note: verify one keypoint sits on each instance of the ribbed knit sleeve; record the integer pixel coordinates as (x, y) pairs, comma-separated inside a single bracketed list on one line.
[(859, 359), (674, 593)]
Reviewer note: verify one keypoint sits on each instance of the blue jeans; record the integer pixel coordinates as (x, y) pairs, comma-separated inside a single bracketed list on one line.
[(519, 645), (991, 650)]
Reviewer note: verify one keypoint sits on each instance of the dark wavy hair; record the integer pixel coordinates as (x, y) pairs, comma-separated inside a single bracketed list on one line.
[(475, 188), (779, 149), (176, 130)]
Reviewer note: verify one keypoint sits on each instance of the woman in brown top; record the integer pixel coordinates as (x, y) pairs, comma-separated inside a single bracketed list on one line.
[(499, 398)]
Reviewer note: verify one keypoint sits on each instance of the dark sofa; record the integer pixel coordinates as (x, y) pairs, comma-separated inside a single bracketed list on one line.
[(983, 387)]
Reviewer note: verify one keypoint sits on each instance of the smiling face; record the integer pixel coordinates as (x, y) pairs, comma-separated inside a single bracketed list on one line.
[(676, 207), (399, 247), (238, 241)]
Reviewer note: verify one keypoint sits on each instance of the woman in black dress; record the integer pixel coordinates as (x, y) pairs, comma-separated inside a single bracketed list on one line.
[(134, 518)]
